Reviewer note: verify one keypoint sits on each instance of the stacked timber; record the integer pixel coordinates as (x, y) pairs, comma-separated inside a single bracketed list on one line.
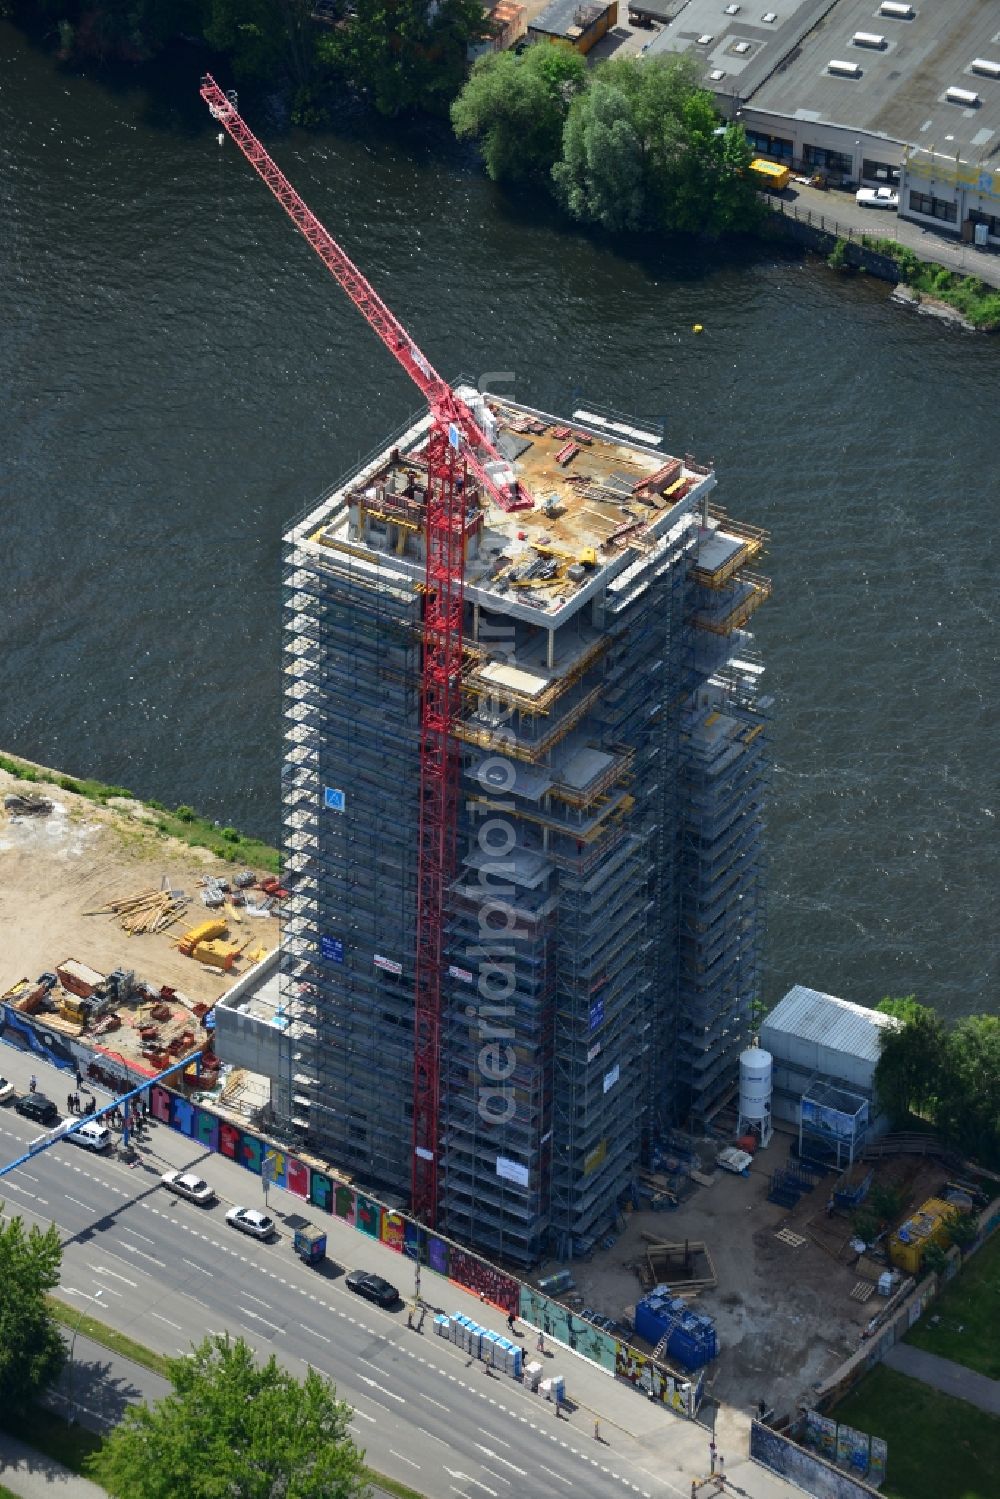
[(148, 911)]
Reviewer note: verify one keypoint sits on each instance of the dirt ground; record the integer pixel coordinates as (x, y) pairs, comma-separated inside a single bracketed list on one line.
[(784, 1312), (54, 868)]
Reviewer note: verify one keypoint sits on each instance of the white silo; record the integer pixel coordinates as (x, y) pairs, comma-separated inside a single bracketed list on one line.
[(755, 1094)]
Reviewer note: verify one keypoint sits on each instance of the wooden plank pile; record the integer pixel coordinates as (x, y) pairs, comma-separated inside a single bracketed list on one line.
[(148, 911)]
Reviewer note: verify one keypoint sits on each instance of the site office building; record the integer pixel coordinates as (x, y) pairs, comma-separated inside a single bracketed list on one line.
[(601, 930)]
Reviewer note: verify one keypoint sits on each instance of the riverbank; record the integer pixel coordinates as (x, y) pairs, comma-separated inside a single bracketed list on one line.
[(938, 272)]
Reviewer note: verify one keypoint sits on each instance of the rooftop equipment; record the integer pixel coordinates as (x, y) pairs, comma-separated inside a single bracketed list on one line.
[(965, 96), (868, 39), (986, 66), (841, 69), (896, 10)]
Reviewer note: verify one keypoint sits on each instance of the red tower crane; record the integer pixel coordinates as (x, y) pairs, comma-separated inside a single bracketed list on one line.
[(457, 448)]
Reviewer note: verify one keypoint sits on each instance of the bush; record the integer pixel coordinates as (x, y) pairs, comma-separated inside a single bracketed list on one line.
[(184, 814), (68, 785), (231, 835), (837, 259)]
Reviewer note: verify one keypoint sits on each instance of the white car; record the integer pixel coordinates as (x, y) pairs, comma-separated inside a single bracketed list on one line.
[(92, 1136), (186, 1184), (6, 1090), (876, 197), (250, 1221)]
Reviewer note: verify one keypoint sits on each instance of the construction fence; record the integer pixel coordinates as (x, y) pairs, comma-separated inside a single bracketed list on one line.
[(319, 1187)]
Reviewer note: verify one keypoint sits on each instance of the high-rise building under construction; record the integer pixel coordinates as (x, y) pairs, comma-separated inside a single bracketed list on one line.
[(601, 924)]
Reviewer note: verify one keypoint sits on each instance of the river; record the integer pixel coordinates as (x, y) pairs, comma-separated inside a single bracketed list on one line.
[(179, 376)]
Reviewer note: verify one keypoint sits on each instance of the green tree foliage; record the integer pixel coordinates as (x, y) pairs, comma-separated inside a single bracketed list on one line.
[(264, 37), (516, 108), (32, 1351), (908, 1073), (643, 149), (406, 54), (968, 1108), (949, 1077), (114, 30), (232, 1429)]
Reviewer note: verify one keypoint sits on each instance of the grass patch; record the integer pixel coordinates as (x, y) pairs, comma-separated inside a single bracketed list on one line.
[(939, 1448), (107, 1336), (46, 1432), (392, 1485), (183, 823), (970, 1302)]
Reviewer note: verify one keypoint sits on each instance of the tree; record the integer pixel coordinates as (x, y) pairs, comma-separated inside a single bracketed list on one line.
[(232, 1429), (644, 149), (406, 54), (264, 37), (32, 1351), (516, 107), (908, 1075), (968, 1111)]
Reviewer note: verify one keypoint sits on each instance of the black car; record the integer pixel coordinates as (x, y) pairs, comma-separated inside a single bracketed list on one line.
[(372, 1287), (36, 1106)]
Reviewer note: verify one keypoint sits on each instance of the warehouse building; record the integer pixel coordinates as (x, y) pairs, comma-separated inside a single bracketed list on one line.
[(890, 93)]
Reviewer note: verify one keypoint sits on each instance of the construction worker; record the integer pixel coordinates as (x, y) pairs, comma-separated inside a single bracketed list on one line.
[(33, 1083)]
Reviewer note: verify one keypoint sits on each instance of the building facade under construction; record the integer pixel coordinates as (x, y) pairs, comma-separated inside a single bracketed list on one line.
[(603, 920)]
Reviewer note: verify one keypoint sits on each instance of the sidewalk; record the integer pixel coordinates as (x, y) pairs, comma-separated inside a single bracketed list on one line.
[(838, 213), (945, 1375), (31, 1474)]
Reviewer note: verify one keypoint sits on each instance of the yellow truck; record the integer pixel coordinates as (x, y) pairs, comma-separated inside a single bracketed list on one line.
[(769, 175)]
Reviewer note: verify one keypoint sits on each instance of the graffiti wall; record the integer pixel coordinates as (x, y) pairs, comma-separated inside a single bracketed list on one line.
[(558, 1322), (642, 1373), (810, 1471)]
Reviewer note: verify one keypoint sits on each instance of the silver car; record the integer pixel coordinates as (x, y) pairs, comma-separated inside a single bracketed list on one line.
[(250, 1221), (186, 1184)]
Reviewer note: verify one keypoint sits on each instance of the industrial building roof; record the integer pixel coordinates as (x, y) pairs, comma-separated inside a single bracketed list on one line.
[(738, 44), (901, 88), (828, 1021)]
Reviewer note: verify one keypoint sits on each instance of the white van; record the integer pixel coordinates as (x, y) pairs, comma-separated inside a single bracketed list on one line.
[(92, 1136)]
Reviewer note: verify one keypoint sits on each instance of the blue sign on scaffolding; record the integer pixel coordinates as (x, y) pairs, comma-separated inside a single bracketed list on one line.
[(596, 1014), (332, 949), (334, 800)]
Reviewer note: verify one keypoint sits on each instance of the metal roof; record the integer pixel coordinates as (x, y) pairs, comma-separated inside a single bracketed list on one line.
[(828, 1021)]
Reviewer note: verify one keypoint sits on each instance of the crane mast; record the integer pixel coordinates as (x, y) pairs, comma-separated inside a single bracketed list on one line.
[(457, 450)]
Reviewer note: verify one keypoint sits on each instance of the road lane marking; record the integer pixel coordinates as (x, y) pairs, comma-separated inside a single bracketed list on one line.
[(195, 1266), (363, 1414), (77, 1203), (142, 1253), (137, 1235), (257, 1299), (553, 1474), (495, 1457), (29, 1176), (315, 1334), (381, 1388), (175, 1325), (73, 1291), (430, 1398), (258, 1318), (464, 1478), (104, 1270), (403, 1459)]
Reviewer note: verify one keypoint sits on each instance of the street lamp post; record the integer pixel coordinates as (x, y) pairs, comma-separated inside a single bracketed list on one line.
[(72, 1352)]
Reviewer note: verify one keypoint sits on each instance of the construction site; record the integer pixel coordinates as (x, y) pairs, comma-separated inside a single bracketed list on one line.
[(523, 801)]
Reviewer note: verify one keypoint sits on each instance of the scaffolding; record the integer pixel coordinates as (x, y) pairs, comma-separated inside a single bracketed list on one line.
[(624, 749)]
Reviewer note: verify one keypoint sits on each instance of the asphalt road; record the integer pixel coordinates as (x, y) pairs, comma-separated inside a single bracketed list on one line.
[(167, 1272)]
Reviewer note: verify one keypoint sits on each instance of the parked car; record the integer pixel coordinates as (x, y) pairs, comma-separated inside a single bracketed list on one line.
[(371, 1287), (92, 1136), (186, 1184), (37, 1107), (876, 197), (250, 1221), (6, 1090)]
